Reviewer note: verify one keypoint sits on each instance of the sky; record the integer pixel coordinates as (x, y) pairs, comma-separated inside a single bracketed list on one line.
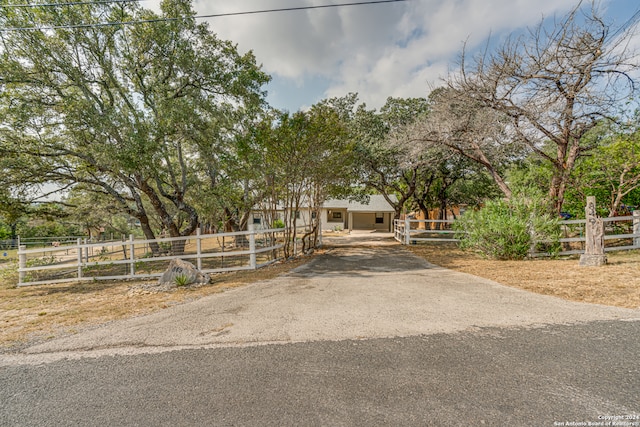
[(401, 49)]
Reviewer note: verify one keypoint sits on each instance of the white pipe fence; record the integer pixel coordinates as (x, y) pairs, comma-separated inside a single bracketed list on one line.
[(621, 233), (141, 259)]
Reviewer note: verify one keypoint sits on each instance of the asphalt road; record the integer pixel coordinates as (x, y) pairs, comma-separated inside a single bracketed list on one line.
[(362, 336)]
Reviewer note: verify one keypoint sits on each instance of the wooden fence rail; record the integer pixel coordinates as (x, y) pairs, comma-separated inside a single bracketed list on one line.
[(140, 259), (622, 233)]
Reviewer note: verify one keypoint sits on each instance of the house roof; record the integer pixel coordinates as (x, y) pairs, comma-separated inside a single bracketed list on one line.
[(377, 203)]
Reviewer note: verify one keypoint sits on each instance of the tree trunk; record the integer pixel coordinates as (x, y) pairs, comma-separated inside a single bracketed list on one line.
[(149, 234)]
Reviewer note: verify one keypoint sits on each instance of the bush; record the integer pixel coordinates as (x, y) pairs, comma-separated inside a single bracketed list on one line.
[(510, 229), (278, 223)]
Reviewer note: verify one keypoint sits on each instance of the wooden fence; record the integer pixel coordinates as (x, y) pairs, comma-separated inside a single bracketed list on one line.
[(142, 259), (621, 233)]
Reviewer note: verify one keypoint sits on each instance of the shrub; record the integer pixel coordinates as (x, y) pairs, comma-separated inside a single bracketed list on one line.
[(278, 223), (510, 229), (181, 280)]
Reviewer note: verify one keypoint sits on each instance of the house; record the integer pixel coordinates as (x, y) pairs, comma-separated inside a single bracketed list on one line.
[(338, 215), (376, 214)]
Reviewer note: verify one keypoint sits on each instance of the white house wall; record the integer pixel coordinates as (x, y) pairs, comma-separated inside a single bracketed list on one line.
[(330, 223)]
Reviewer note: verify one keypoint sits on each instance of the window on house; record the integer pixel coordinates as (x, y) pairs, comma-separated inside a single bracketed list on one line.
[(297, 214), (313, 215), (257, 220), (379, 218), (336, 215)]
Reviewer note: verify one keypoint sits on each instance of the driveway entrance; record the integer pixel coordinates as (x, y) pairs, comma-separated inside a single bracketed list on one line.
[(364, 286), (365, 334)]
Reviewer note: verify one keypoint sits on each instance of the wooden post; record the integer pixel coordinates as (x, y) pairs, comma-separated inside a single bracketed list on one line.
[(79, 243), (199, 248), (594, 234), (636, 228), (407, 231), (132, 256), (22, 263), (86, 251), (252, 247)]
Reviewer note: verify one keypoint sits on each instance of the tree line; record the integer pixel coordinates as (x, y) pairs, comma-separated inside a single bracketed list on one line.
[(166, 124)]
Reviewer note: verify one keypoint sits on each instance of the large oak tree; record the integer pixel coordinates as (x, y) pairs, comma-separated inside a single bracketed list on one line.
[(131, 111)]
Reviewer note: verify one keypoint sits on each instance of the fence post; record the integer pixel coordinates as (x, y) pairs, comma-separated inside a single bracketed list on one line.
[(636, 228), (79, 243), (199, 248), (132, 256), (252, 247), (407, 231), (22, 263), (594, 254), (86, 251)]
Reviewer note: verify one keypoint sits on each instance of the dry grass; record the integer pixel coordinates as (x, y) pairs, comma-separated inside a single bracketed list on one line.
[(616, 284), (43, 312)]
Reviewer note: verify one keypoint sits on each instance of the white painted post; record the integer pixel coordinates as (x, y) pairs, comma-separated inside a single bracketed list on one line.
[(407, 231), (636, 228), (22, 263), (252, 247), (86, 250), (79, 243), (132, 256), (320, 235), (199, 248)]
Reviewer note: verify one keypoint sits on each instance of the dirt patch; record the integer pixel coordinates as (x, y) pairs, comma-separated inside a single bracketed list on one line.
[(37, 313), (616, 284)]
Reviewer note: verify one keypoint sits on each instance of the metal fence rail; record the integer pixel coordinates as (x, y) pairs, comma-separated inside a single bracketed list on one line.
[(140, 259)]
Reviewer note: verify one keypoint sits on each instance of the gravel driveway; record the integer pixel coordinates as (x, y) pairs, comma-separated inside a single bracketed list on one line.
[(364, 286)]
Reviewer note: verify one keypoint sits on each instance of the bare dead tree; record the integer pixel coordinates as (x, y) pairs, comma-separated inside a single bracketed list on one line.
[(555, 83), (468, 128)]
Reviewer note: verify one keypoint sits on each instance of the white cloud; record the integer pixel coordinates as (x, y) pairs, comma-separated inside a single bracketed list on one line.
[(391, 49)]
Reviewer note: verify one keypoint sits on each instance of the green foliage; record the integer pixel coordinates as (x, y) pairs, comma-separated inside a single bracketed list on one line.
[(278, 223), (385, 149), (181, 280), (510, 230), (611, 172), (134, 114), (5, 232), (39, 228)]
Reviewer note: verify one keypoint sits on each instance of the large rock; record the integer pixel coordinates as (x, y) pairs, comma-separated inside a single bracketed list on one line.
[(182, 272)]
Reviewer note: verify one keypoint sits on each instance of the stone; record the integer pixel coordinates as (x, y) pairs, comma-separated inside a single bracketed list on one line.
[(182, 273), (587, 260), (594, 237)]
